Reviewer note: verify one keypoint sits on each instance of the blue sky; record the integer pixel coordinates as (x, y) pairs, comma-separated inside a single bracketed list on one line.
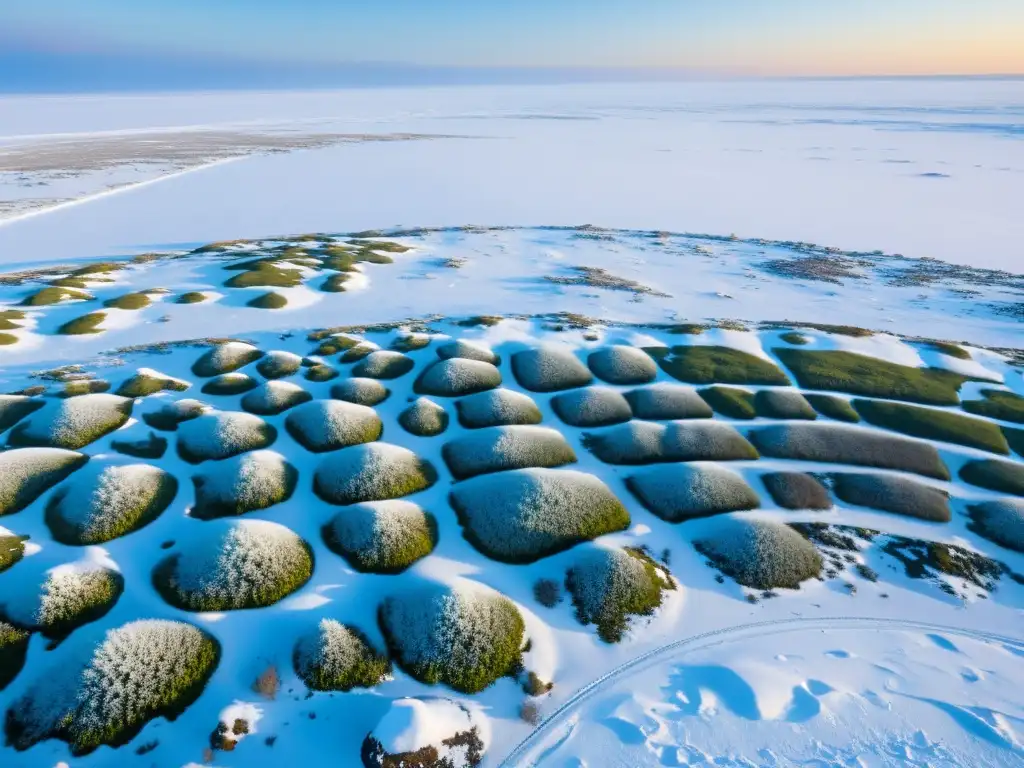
[(187, 40)]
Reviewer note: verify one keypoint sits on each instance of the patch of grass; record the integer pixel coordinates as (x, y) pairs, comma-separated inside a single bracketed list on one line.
[(14, 408), (731, 402), (1000, 476), (147, 382), (687, 329), (277, 364), (950, 349), (13, 649), (25, 474), (10, 319), (268, 301), (500, 448), (335, 283), (410, 342), (680, 492), (609, 586), (384, 246), (381, 536), (933, 424), (191, 297), (264, 274), (833, 407), (892, 493), (488, 321), (871, 377), (760, 554), (321, 372), (99, 268), (7, 339), (70, 282), (224, 358), (796, 490), (82, 325), (718, 365), (357, 352), (12, 549), (130, 301), (794, 338), (84, 387), (927, 559), (783, 404), (72, 599), (234, 383), (997, 404), (50, 295), (337, 657)]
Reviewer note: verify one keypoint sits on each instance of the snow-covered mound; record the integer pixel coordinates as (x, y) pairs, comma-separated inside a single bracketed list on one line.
[(382, 536), (457, 376), (426, 733), (641, 442), (372, 472), (549, 369), (27, 473), (146, 382), (326, 425), (621, 364), (1000, 521), (278, 363), (383, 364), (222, 434), (592, 407), (468, 350), (783, 404), (274, 397), (665, 401), (797, 490), (12, 548), (335, 657), (679, 492), (424, 418), (169, 415), (499, 448), (235, 383), (243, 484), (760, 554), (72, 422), (888, 493), (361, 391), (13, 408), (497, 408), (225, 358)]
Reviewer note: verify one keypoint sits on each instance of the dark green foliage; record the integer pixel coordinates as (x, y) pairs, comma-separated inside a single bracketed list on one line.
[(144, 384), (265, 274), (268, 301), (92, 602), (731, 402), (82, 325), (191, 297), (925, 559), (13, 648), (45, 297), (84, 387), (997, 404), (1001, 476), (1014, 438), (12, 549), (128, 301), (783, 404), (640, 442), (719, 365), (892, 493), (321, 372), (933, 424), (14, 408), (229, 384), (796, 490), (666, 402), (834, 407), (152, 447), (335, 283), (1000, 521), (797, 339), (871, 377), (950, 349), (339, 658), (6, 339)]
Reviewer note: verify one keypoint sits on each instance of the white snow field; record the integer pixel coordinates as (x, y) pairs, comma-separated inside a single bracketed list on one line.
[(772, 385)]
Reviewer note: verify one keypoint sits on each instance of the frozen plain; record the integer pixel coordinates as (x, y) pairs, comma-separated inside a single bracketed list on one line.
[(923, 168)]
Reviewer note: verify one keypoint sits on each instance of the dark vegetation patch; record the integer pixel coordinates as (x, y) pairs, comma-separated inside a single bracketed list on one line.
[(234, 383), (997, 404), (263, 273), (797, 490), (950, 349), (130, 301), (595, 277), (931, 559), (336, 657), (191, 297), (833, 407), (424, 418), (497, 407), (223, 434), (9, 319), (381, 536), (150, 447), (842, 537), (832, 268), (170, 415), (243, 484), (717, 365), (225, 358), (89, 323), (410, 342), (269, 300), (14, 408), (72, 422), (13, 649), (360, 391), (146, 383), (50, 295), (278, 364), (622, 365), (1000, 521), (457, 376), (730, 401), (933, 424), (1014, 438), (84, 387), (995, 475), (892, 493), (12, 549), (321, 372), (384, 364), (371, 472), (795, 338)]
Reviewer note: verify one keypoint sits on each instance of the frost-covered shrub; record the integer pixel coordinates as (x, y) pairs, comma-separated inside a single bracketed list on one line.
[(425, 733), (146, 381), (641, 442), (225, 358), (13, 648), (384, 364), (469, 350), (12, 548), (274, 397), (243, 484), (837, 444), (106, 501), (892, 493), (72, 422), (170, 415), (1000, 476), (783, 404), (592, 407), (796, 490), (142, 670), (999, 521), (465, 637), (457, 376), (357, 352), (326, 425), (382, 536), (14, 408), (719, 365), (410, 342), (372, 472), (278, 363), (760, 554), (499, 448), (610, 585), (27, 473), (360, 391), (321, 372), (549, 369), (424, 418), (235, 564), (833, 407), (684, 491), (222, 434), (336, 657), (524, 515), (496, 408), (229, 384), (68, 596), (667, 402), (621, 364)]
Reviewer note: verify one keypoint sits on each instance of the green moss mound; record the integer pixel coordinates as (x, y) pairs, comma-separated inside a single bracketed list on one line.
[(130, 301), (336, 657), (335, 283), (265, 274), (73, 422), (14, 408), (892, 493), (84, 387), (106, 701), (622, 365), (610, 585), (1014, 438), (269, 300), (278, 364), (1000, 521), (499, 448), (53, 294), (357, 352), (833, 407), (326, 425), (870, 377), (223, 434), (997, 404), (797, 339), (667, 402), (371, 472), (382, 536), (12, 549), (321, 372), (6, 339), (107, 501), (242, 484), (783, 404), (462, 637), (496, 408), (718, 365), (1000, 476), (424, 418), (524, 515), (383, 364), (191, 297), (13, 649), (360, 391), (148, 382), (83, 325), (236, 383), (949, 349), (731, 402), (27, 473), (796, 490), (933, 424), (549, 369), (760, 554), (834, 444), (410, 342), (235, 565), (225, 358), (457, 376), (274, 397), (592, 407), (69, 597), (10, 319), (680, 492), (640, 442)]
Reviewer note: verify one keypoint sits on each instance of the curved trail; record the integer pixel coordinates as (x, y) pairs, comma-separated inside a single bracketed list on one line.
[(517, 757)]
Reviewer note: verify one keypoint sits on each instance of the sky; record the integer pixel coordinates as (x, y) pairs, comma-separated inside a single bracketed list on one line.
[(50, 44)]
